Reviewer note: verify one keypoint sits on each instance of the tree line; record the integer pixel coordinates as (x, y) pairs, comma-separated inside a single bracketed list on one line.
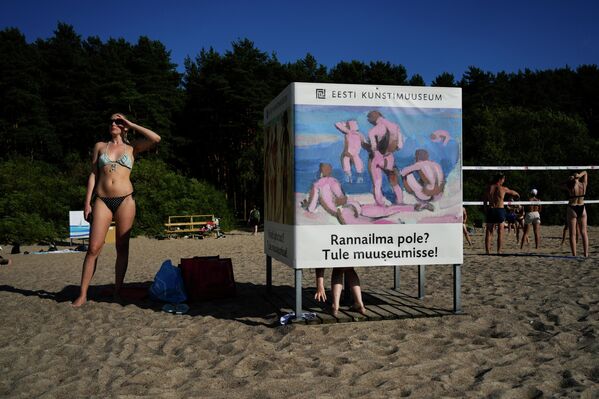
[(57, 94)]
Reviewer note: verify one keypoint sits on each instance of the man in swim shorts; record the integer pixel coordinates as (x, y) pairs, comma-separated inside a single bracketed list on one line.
[(495, 211)]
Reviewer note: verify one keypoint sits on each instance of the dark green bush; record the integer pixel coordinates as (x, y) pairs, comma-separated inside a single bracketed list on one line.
[(160, 192), (35, 198)]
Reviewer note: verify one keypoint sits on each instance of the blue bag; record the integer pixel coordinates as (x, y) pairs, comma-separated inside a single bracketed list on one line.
[(168, 284)]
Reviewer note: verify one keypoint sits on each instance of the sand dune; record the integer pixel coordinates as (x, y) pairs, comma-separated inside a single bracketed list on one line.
[(529, 330)]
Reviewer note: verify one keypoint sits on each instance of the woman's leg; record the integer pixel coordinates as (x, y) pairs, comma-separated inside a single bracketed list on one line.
[(524, 235), (572, 222), (102, 217), (522, 224), (336, 288), (564, 233), (537, 231), (124, 217), (582, 223), (465, 231), (353, 281)]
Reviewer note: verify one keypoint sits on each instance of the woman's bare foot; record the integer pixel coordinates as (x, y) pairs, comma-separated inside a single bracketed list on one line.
[(79, 302), (359, 309), (334, 311)]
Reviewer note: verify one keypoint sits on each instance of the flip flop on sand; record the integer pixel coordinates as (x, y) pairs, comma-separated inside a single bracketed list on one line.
[(286, 319), (181, 308), (169, 308), (309, 316)]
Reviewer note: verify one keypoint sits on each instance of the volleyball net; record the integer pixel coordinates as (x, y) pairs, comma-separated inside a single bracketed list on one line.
[(542, 168)]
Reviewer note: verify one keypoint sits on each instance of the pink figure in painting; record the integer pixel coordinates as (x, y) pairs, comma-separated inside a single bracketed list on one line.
[(384, 139), (351, 150), (440, 136), (424, 179), (326, 191)]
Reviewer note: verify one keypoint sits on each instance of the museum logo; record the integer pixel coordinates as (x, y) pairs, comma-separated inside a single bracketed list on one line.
[(321, 94)]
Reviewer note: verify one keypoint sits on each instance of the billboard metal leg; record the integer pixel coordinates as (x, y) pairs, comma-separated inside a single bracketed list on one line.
[(396, 278), (268, 273), (421, 292), (457, 289), (298, 294)]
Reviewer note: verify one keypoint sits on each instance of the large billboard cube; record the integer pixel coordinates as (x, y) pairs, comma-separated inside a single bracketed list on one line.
[(363, 175)]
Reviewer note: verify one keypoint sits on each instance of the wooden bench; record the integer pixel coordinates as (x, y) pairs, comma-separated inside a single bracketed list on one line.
[(188, 224)]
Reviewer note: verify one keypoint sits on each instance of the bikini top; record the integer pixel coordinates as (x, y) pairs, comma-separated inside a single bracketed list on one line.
[(124, 160)]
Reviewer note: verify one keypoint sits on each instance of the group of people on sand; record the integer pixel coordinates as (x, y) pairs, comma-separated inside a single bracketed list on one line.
[(497, 214), (110, 196)]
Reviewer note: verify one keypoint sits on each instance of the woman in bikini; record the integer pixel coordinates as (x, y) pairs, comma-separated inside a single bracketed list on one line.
[(576, 214), (109, 197)]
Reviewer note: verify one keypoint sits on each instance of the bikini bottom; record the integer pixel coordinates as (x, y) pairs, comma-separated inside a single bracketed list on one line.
[(113, 203), (578, 209)]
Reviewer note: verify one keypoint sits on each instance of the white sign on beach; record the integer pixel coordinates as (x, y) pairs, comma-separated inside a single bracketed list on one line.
[(362, 175), (78, 226)]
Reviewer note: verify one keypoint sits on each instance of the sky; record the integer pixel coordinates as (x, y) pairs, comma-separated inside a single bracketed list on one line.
[(426, 37)]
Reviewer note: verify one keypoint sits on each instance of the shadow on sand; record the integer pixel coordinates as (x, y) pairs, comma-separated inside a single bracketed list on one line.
[(248, 307)]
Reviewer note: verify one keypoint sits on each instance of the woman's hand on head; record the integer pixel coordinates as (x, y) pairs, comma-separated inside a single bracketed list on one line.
[(127, 123)]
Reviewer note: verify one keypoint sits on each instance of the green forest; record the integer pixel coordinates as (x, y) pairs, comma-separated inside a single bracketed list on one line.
[(57, 94)]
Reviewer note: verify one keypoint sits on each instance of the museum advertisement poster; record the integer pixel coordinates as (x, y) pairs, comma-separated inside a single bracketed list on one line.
[(363, 175)]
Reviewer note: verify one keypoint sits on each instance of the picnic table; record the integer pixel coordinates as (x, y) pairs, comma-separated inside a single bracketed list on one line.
[(201, 225)]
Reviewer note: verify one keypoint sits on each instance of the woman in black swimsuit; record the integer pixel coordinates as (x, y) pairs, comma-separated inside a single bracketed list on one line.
[(576, 214), (110, 196)]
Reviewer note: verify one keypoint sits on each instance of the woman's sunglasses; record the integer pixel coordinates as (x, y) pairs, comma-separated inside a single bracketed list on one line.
[(118, 122)]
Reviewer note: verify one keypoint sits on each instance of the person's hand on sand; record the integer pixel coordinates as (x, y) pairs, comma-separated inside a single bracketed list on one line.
[(320, 295)]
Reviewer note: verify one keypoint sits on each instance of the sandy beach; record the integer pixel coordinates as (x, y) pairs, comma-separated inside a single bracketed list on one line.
[(529, 330)]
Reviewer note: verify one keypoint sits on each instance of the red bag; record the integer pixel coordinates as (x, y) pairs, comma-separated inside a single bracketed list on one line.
[(208, 277)]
